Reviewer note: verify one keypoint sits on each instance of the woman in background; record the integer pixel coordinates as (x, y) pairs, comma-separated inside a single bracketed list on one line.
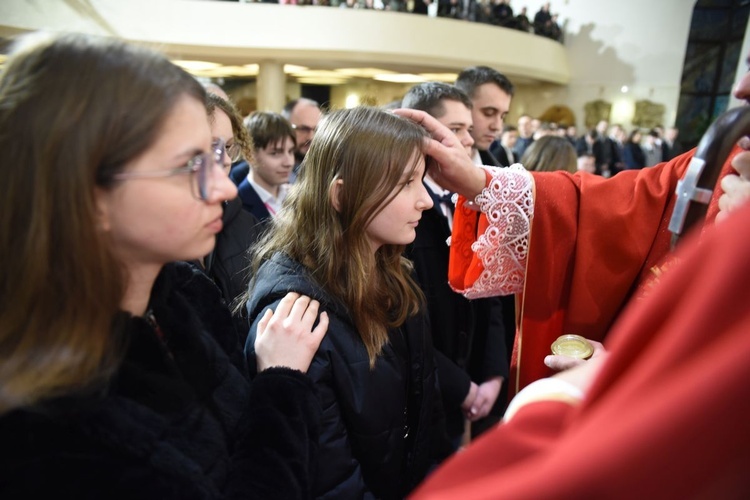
[(120, 373), (339, 238), (550, 153), (632, 152), (228, 264)]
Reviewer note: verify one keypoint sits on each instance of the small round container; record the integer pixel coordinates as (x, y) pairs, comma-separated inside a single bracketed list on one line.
[(574, 346)]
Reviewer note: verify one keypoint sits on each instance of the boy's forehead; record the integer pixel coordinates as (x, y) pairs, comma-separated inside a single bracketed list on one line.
[(454, 111), (279, 143)]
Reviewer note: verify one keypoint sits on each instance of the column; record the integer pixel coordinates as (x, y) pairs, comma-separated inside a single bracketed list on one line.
[(271, 86)]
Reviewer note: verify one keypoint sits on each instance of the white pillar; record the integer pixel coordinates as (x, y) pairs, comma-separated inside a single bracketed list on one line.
[(271, 86)]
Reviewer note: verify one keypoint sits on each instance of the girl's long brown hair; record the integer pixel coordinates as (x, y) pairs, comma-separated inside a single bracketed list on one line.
[(550, 153), (368, 149), (74, 110)]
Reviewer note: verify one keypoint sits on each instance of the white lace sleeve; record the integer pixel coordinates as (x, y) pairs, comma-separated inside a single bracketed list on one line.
[(508, 203)]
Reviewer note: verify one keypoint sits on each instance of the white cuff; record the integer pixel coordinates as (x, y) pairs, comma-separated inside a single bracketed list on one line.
[(546, 389)]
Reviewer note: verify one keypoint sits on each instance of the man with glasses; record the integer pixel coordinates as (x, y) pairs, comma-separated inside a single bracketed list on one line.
[(304, 115)]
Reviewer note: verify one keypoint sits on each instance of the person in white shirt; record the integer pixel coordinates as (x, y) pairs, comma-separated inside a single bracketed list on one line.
[(267, 183)]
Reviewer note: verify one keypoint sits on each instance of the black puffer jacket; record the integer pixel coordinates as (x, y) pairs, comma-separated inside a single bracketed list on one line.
[(181, 422), (363, 452), (229, 262)]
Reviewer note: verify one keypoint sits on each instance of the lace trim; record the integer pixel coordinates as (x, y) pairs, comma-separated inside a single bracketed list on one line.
[(508, 204)]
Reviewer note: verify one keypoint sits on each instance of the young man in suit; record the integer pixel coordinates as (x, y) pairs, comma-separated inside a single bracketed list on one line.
[(264, 189), (491, 93), (469, 336)]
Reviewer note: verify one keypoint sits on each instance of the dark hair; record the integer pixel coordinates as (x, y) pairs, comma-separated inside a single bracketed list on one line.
[(429, 97), (74, 111), (469, 79), (269, 128), (633, 133), (288, 109)]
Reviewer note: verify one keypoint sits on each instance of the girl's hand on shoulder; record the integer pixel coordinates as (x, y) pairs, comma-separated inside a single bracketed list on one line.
[(286, 337)]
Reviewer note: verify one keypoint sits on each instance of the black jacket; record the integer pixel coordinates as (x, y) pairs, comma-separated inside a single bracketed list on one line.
[(176, 422), (363, 452), (633, 156), (469, 336), (503, 157), (508, 317), (228, 264), (252, 202)]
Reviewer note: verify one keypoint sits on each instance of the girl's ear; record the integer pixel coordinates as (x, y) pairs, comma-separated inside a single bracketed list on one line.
[(338, 185), (102, 200)]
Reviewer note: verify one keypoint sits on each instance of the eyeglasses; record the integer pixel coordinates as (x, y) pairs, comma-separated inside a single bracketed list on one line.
[(305, 129), (234, 152), (199, 167)]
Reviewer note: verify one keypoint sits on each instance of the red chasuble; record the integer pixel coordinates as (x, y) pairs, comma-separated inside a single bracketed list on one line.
[(594, 243), (667, 417)]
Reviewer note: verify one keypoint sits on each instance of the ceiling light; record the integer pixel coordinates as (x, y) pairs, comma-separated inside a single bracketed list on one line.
[(293, 68), (364, 72), (352, 101), (440, 77), (400, 78), (237, 71), (320, 80), (319, 73), (196, 65)]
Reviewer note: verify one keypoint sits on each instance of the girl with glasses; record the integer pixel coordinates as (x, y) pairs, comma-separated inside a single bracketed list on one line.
[(120, 371), (228, 264)]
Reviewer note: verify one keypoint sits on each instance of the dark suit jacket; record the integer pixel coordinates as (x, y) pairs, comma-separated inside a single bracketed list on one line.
[(501, 154), (469, 336), (522, 144), (489, 159), (508, 302), (252, 202), (239, 172)]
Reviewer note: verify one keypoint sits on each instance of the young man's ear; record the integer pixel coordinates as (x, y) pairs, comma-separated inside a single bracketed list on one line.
[(336, 194)]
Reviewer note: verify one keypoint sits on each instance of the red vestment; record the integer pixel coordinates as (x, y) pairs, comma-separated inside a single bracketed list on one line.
[(667, 416), (593, 243)]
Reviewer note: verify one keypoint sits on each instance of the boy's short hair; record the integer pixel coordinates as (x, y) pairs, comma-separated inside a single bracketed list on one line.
[(429, 97), (268, 128), (471, 78)]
